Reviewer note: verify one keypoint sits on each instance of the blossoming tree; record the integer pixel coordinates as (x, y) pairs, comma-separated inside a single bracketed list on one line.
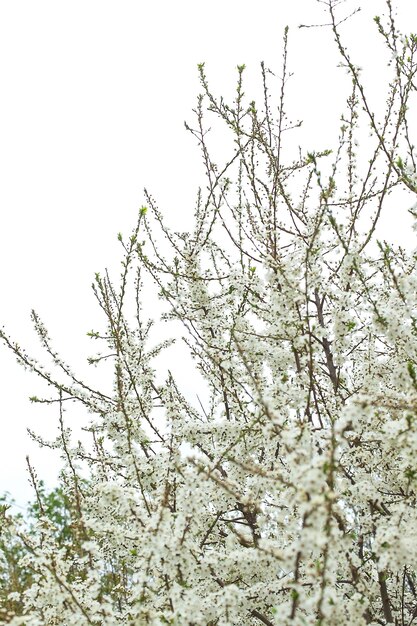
[(286, 494)]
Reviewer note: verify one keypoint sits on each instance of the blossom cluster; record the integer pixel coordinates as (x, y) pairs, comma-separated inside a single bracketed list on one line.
[(282, 489)]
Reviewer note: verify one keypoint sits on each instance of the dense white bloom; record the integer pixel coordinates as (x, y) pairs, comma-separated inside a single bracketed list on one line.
[(279, 489)]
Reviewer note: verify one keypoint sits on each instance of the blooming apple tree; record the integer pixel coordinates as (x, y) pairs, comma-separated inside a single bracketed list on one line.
[(283, 491)]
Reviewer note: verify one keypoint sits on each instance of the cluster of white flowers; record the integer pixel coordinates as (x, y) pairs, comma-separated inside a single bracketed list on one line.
[(287, 495)]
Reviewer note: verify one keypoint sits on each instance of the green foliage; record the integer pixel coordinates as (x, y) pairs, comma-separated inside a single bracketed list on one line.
[(14, 576), (57, 507)]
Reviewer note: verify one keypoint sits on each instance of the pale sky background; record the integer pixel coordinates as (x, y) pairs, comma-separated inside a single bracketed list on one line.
[(94, 94)]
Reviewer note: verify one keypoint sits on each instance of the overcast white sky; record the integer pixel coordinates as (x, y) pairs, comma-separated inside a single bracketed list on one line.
[(94, 94)]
